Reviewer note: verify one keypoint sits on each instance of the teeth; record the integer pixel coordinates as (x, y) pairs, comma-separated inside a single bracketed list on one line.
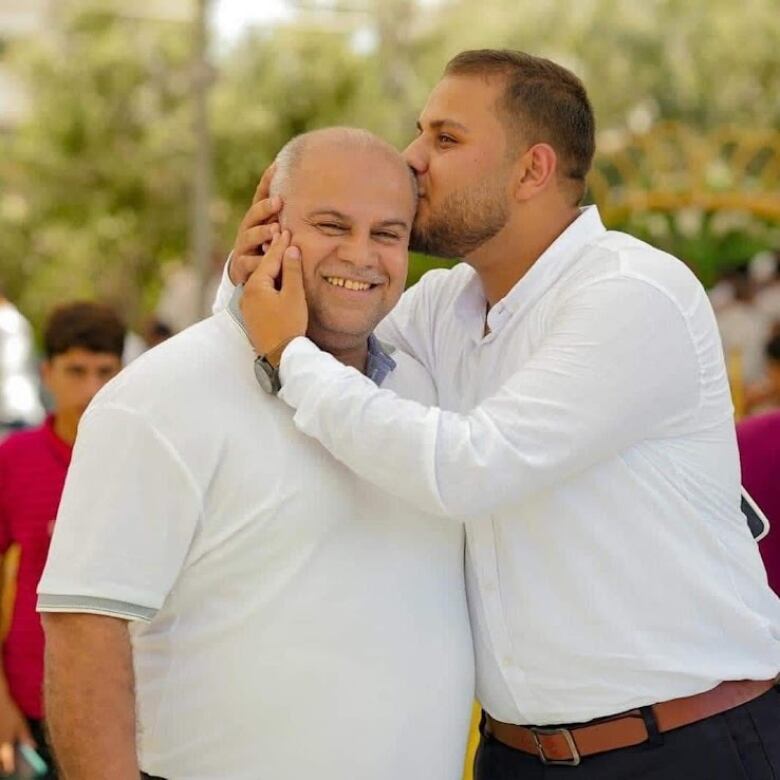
[(349, 284)]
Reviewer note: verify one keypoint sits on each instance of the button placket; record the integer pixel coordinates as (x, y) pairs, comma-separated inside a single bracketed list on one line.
[(482, 541)]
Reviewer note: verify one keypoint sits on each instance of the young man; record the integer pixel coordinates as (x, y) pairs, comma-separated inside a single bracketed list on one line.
[(265, 615), (584, 430), (83, 343)]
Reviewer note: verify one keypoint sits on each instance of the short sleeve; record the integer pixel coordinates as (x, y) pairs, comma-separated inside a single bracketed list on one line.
[(128, 514)]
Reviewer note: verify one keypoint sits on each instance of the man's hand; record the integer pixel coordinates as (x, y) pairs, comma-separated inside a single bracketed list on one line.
[(275, 313), (256, 231), (13, 730)]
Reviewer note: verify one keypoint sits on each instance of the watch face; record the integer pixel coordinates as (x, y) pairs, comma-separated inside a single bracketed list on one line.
[(267, 376)]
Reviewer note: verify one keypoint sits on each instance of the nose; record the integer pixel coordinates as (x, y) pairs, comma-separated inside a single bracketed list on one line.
[(357, 250), (416, 155), (92, 384)]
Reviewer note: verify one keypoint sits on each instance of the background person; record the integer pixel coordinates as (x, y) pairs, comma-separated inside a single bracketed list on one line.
[(759, 452), (765, 395), (83, 344)]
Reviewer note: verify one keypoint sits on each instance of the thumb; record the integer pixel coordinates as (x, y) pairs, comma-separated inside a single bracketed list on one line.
[(270, 263), (292, 273), (7, 763)]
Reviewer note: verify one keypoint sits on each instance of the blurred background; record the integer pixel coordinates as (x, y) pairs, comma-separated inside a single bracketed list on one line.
[(132, 135)]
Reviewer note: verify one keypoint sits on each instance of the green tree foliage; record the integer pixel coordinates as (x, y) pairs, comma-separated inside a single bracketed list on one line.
[(94, 186), (707, 63)]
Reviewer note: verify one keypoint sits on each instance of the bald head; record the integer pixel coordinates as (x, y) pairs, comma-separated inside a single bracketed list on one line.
[(304, 150)]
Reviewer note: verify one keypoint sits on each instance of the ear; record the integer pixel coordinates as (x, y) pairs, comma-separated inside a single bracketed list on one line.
[(534, 172)]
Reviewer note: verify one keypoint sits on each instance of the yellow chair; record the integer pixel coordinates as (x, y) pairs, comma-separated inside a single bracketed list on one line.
[(471, 748)]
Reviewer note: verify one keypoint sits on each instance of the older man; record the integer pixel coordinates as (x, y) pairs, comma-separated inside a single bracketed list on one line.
[(266, 613), (621, 615)]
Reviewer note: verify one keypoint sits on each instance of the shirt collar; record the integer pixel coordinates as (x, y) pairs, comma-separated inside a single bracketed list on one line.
[(556, 259), (379, 364), (61, 449)]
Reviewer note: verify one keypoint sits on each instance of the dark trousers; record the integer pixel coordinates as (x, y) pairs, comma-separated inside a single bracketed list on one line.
[(38, 732), (740, 744)]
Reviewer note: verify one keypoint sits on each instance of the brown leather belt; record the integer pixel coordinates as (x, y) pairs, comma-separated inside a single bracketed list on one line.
[(568, 745)]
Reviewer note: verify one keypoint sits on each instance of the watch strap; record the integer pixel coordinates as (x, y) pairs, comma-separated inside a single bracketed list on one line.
[(274, 356)]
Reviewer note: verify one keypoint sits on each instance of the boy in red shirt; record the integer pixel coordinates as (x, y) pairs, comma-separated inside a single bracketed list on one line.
[(83, 344)]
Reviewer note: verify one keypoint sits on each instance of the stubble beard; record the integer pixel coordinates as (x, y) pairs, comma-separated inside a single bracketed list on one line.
[(464, 221), (335, 333)]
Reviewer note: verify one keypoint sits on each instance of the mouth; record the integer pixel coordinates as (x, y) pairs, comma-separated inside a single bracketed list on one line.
[(350, 284)]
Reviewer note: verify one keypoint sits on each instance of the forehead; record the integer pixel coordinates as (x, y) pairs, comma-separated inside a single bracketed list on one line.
[(362, 183), (469, 101), (82, 356)]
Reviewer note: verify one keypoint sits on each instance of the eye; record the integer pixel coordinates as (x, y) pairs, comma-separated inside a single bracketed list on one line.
[(386, 235), (444, 139), (331, 226)]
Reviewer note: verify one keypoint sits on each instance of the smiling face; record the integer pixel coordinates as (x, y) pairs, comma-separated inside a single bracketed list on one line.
[(462, 166), (350, 211)]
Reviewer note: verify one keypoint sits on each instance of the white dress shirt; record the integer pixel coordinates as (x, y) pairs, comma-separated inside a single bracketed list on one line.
[(589, 441), (290, 621)]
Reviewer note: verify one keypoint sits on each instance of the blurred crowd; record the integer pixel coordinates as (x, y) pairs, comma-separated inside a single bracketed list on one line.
[(746, 301)]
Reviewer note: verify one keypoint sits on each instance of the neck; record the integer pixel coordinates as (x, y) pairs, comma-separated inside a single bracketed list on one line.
[(506, 258), (350, 354), (65, 426), (357, 357)]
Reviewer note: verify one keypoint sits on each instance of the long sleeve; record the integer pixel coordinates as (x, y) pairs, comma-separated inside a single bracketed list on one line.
[(409, 325), (224, 291), (603, 378)]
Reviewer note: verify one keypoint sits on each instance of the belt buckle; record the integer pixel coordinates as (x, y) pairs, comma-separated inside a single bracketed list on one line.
[(575, 759)]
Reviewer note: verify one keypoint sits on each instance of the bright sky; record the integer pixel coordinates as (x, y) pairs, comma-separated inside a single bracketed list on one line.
[(231, 16)]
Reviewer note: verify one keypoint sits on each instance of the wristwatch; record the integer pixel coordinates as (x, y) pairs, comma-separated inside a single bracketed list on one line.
[(267, 368), (267, 375)]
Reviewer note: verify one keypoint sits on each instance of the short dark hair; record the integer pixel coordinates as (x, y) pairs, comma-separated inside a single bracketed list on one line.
[(85, 324), (542, 102)]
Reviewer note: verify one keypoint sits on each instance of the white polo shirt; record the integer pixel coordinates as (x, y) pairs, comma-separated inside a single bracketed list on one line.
[(589, 439), (291, 621)]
